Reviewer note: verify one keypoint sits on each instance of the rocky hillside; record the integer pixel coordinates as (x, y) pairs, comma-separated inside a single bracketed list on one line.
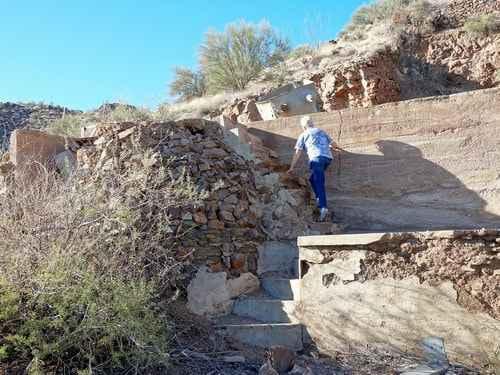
[(434, 52), (14, 116)]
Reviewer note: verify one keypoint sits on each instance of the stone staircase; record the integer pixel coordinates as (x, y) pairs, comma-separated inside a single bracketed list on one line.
[(267, 317)]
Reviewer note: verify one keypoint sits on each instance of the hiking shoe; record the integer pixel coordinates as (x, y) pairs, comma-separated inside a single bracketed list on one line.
[(323, 213)]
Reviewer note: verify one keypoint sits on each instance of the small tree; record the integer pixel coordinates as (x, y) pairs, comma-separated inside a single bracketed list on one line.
[(231, 59), (187, 84)]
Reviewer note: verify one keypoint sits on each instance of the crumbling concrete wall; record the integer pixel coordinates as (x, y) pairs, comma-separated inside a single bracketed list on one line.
[(422, 164), (33, 148), (398, 288), (288, 101)]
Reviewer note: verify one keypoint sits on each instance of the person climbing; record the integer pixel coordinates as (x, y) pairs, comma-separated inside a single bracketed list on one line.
[(317, 144)]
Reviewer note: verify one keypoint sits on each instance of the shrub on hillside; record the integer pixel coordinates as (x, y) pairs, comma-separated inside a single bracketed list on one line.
[(187, 84), (232, 58), (125, 113), (483, 25), (301, 51), (82, 264), (68, 125), (398, 13)]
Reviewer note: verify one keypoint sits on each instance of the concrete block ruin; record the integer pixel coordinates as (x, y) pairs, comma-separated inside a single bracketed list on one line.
[(32, 151), (289, 100), (399, 288)]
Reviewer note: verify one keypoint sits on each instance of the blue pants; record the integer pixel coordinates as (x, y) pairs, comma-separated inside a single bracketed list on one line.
[(318, 167)]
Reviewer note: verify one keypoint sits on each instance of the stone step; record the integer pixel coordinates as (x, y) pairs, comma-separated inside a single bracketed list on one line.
[(265, 310), (281, 288), (324, 228), (278, 256), (288, 335)]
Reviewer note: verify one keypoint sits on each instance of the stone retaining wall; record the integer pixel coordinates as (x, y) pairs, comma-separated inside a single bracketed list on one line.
[(398, 288), (430, 163)]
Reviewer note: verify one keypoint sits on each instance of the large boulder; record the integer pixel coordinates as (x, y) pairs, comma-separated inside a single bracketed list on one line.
[(212, 293)]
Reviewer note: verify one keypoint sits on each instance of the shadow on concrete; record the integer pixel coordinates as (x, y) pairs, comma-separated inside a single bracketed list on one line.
[(393, 188)]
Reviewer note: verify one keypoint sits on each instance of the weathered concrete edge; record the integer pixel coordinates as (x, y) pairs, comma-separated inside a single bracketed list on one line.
[(370, 238), (401, 103)]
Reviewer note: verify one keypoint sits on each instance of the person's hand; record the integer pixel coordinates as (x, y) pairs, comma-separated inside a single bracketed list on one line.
[(290, 171)]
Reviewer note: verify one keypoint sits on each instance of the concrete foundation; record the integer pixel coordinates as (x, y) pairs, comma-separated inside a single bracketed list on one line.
[(398, 288), (423, 164)]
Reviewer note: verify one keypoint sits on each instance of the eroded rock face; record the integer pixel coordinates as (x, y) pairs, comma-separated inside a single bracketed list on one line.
[(363, 83), (474, 59), (243, 111), (461, 10), (448, 62)]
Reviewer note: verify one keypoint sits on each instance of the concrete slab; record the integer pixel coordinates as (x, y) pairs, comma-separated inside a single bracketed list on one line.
[(265, 335), (278, 256), (371, 237), (341, 239), (281, 288), (266, 310)]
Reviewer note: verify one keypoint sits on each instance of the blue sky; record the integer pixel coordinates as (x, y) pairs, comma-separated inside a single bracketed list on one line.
[(81, 53)]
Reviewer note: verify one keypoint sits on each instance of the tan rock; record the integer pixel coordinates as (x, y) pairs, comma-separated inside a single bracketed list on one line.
[(208, 294), (246, 283)]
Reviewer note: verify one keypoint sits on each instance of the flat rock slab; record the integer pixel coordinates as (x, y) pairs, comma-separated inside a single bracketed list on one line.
[(277, 256), (266, 335)]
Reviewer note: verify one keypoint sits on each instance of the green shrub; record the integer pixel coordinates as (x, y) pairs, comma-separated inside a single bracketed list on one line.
[(68, 125), (79, 321), (82, 263), (483, 25), (231, 59), (187, 84), (126, 113), (399, 13)]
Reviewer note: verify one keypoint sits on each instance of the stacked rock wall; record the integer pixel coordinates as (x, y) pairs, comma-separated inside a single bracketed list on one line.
[(238, 212)]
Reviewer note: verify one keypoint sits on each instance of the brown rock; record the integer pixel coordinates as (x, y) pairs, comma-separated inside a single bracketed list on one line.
[(238, 262), (199, 217), (282, 359), (226, 216), (215, 224)]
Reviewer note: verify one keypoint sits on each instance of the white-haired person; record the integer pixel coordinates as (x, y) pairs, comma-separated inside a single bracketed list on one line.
[(318, 146)]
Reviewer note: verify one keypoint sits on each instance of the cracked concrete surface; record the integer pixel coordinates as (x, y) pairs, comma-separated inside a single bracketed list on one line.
[(402, 288)]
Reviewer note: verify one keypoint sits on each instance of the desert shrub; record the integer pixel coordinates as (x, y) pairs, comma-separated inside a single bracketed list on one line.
[(278, 75), (126, 113), (399, 13), (301, 51), (77, 321), (483, 25), (82, 264), (232, 58), (68, 125), (187, 84)]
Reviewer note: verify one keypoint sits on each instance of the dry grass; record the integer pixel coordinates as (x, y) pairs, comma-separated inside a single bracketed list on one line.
[(82, 264), (200, 107)]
